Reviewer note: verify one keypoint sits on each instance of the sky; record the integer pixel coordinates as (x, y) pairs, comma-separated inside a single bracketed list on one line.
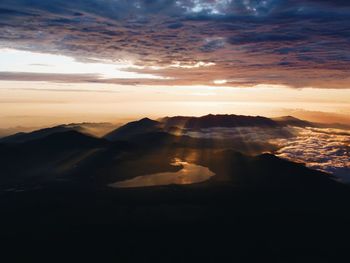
[(116, 60)]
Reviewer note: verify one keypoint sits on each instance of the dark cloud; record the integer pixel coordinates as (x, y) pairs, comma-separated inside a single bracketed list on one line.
[(10, 12), (175, 25), (264, 38), (295, 43), (49, 77)]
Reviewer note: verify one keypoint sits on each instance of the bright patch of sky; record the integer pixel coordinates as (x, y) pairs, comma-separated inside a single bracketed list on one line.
[(212, 7), (12, 60)]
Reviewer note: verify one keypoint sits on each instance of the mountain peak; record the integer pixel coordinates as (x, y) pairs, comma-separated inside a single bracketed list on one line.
[(219, 120), (133, 128), (293, 121), (146, 119)]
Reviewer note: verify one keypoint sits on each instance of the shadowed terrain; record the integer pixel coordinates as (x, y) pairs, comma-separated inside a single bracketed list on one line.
[(56, 191)]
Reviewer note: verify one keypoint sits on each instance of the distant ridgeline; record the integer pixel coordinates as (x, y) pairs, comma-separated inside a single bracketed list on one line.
[(148, 146)]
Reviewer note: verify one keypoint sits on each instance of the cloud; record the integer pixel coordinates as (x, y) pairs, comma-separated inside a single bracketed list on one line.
[(294, 43), (246, 134), (49, 77), (322, 149), (321, 116)]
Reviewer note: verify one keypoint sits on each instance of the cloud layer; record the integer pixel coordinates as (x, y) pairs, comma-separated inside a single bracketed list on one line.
[(320, 148), (244, 42), (324, 149)]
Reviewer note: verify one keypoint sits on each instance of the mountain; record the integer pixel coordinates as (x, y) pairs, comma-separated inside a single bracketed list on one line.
[(91, 128), (176, 121), (130, 129), (164, 139), (47, 156), (265, 171), (4, 132), (220, 120), (173, 125), (64, 139), (24, 137), (65, 149), (58, 187), (95, 129), (292, 121), (75, 155)]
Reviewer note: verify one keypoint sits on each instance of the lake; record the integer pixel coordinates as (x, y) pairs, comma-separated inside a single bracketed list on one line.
[(189, 174)]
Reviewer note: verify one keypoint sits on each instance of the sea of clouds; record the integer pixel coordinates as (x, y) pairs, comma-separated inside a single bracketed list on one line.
[(324, 149)]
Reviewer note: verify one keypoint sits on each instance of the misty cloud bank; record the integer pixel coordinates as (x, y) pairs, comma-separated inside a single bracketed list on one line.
[(246, 134), (323, 149), (327, 150)]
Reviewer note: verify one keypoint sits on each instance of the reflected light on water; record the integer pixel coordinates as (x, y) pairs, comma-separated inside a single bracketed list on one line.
[(189, 174)]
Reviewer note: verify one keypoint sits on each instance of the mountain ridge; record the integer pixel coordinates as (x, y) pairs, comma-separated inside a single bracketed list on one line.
[(130, 129)]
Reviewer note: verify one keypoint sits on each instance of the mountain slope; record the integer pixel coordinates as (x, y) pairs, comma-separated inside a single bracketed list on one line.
[(66, 139), (46, 156), (220, 120), (292, 121), (38, 134), (95, 129), (265, 171), (133, 128)]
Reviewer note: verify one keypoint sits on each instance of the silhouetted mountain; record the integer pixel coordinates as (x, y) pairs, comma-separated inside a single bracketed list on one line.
[(97, 129), (4, 132), (24, 137), (164, 139), (265, 171), (292, 121), (176, 121), (70, 138), (88, 157), (209, 121), (173, 125), (62, 150), (91, 128), (133, 128), (53, 148), (59, 186), (46, 156)]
